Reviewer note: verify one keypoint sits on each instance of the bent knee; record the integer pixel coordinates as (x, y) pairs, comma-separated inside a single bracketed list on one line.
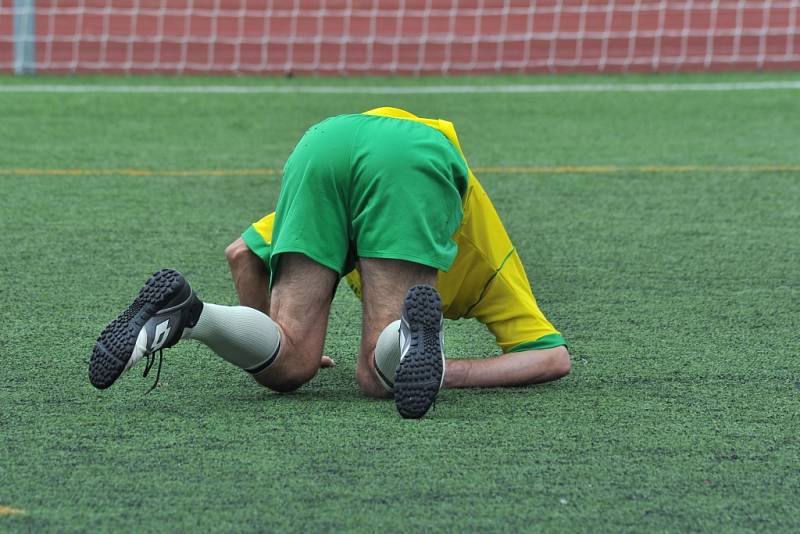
[(285, 380), (282, 386)]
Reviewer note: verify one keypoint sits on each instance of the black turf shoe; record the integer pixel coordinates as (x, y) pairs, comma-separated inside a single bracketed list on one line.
[(156, 319), (420, 373)]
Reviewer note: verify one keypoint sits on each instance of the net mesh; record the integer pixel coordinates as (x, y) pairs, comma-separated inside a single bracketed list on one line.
[(403, 36)]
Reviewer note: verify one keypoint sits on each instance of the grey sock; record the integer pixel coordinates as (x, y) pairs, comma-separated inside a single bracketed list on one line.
[(243, 336)]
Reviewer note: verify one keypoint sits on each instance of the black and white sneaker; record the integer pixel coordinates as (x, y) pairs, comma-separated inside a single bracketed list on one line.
[(156, 319), (420, 373)]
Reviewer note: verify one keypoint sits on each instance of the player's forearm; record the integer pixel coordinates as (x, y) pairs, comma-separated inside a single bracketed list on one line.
[(514, 369), (249, 276)]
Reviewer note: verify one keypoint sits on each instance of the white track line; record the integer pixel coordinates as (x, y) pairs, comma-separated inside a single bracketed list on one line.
[(407, 90)]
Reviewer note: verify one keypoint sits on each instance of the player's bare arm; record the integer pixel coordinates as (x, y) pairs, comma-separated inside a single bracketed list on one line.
[(514, 369), (250, 276)]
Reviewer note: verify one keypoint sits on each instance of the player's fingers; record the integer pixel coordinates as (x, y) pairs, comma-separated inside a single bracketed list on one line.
[(327, 362)]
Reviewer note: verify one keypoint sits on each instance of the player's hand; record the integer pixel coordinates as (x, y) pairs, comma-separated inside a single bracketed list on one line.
[(327, 362)]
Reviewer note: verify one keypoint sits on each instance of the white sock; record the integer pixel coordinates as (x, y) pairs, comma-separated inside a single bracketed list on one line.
[(387, 354), (243, 336)]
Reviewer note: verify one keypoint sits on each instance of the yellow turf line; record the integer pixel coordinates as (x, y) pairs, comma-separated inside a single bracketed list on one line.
[(7, 510), (566, 169)]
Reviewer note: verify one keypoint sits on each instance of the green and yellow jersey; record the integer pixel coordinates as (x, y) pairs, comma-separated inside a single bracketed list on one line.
[(486, 281)]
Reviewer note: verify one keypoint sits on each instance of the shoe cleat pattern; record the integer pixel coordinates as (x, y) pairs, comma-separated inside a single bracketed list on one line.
[(421, 370), (164, 294)]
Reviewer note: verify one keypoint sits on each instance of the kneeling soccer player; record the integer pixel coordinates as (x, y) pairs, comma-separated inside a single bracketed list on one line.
[(387, 200)]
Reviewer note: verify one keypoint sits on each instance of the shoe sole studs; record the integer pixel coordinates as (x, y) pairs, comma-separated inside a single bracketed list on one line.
[(419, 374), (115, 345)]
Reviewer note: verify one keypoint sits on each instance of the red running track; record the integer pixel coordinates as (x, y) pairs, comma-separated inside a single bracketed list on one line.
[(424, 37)]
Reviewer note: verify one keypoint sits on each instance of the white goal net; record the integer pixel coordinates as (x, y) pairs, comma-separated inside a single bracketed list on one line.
[(396, 36)]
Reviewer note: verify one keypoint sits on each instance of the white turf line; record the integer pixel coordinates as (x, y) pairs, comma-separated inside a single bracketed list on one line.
[(408, 90)]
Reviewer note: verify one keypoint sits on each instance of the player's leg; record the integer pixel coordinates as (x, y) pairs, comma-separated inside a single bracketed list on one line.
[(385, 287), (303, 247), (280, 354), (281, 351), (403, 356), (407, 204), (167, 310), (251, 279), (300, 303)]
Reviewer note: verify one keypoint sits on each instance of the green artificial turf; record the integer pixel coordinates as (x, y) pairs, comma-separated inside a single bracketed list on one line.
[(679, 294)]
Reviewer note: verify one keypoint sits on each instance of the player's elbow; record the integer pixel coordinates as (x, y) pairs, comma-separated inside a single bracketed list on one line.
[(560, 363), (237, 252), (550, 364), (542, 365)]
